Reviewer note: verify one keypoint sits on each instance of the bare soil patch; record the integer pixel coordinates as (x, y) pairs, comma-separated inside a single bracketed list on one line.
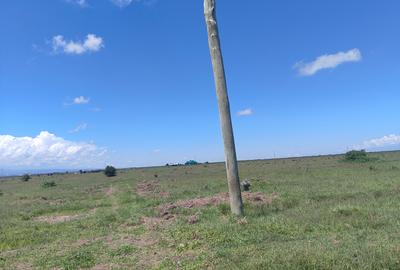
[(152, 188), (152, 223), (110, 191), (111, 266), (259, 197), (22, 266), (220, 198)]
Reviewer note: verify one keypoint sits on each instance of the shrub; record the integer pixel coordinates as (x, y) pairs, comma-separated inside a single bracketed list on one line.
[(25, 177), (110, 171), (373, 168), (48, 184), (1, 193), (357, 155), (191, 162)]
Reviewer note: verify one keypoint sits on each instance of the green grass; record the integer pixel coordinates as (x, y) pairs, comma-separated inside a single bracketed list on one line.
[(329, 214)]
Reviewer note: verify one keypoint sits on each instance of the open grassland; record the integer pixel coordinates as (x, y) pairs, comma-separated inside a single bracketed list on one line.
[(303, 213)]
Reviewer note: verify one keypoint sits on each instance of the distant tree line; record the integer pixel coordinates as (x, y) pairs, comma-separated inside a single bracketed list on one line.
[(187, 163)]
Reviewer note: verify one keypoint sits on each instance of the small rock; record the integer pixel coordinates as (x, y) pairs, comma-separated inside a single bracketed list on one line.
[(246, 185)]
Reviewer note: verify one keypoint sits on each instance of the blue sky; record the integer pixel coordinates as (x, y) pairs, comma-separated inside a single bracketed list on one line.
[(85, 83)]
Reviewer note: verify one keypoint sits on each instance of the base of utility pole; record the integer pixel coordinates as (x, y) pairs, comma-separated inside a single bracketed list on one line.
[(235, 195)]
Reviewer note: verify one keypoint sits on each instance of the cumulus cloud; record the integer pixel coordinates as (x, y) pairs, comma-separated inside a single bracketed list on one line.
[(48, 150), (81, 100), (79, 128), (245, 112), (123, 3), (388, 140), (328, 61), (92, 43)]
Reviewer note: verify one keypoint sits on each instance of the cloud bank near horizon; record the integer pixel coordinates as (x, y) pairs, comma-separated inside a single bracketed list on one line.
[(385, 141), (46, 150)]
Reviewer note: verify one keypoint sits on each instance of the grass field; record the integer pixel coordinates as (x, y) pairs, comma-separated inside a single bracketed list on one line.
[(306, 213)]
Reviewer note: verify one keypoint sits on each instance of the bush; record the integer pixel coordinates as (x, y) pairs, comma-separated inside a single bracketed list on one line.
[(357, 155), (25, 177), (373, 168), (48, 184), (191, 162), (110, 171)]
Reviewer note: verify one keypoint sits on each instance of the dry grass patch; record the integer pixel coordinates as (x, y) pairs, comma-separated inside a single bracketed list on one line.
[(154, 258), (142, 241), (57, 219)]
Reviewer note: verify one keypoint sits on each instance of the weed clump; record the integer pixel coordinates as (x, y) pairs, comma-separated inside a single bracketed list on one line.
[(357, 156), (122, 251), (78, 259), (48, 184)]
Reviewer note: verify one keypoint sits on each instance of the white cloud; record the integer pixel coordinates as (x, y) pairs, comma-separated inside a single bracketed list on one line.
[(119, 3), (384, 141), (123, 3), (245, 112), (328, 61), (48, 150), (79, 128), (81, 3), (81, 100), (156, 150), (92, 43)]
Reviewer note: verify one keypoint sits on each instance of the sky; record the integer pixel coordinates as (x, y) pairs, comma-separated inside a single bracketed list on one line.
[(85, 83)]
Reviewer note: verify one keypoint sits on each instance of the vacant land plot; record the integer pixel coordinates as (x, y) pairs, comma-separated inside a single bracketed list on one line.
[(303, 213)]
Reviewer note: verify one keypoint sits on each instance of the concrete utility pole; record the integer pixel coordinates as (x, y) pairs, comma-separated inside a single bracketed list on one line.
[(235, 195)]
